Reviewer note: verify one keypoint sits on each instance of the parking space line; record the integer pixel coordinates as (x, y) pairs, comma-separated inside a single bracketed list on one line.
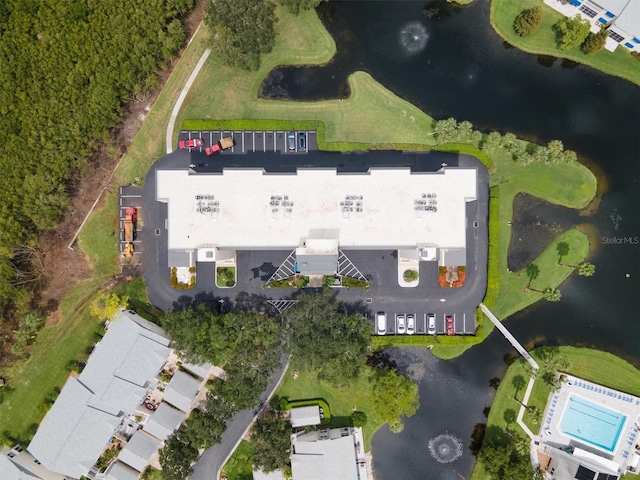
[(254, 141), (274, 142), (264, 141), (243, 150)]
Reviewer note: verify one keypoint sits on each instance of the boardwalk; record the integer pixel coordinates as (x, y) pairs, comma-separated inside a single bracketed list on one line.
[(509, 337)]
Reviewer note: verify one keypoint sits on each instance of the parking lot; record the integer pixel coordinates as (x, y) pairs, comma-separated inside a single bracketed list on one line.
[(131, 197), (256, 140), (463, 324)]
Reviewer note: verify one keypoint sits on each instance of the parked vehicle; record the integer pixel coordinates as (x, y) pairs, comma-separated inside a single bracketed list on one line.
[(302, 141), (450, 327), (431, 323), (128, 250), (291, 141), (401, 325), (381, 323), (222, 144), (129, 223), (411, 324), (190, 143)]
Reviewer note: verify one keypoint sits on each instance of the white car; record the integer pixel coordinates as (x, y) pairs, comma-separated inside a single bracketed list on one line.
[(411, 324), (381, 323), (431, 323), (400, 322)]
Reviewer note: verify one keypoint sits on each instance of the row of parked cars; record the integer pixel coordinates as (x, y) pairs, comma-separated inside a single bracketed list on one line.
[(406, 324)]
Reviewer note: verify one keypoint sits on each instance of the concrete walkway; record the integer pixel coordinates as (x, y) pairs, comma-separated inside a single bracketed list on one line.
[(181, 97), (525, 401), (509, 337)]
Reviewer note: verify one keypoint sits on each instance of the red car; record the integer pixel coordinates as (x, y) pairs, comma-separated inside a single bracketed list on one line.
[(191, 143), (450, 328), (213, 149)]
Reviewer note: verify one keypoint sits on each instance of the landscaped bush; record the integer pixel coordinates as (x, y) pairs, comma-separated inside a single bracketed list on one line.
[(571, 32), (410, 275), (297, 281), (225, 276), (527, 21), (350, 282), (359, 419), (493, 267)]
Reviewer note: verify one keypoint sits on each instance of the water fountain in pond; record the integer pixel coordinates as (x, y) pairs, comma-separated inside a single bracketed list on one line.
[(413, 37), (445, 448)]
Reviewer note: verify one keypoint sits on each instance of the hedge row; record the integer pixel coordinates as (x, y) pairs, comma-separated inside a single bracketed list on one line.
[(493, 266)]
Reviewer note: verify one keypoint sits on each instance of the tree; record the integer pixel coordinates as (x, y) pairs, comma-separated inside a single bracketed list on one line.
[(533, 414), (394, 395), (241, 30), (323, 339), (176, 458), (491, 141), (555, 149), (106, 305), (465, 129), (595, 42), (586, 269), (294, 6), (446, 130), (571, 32), (551, 294), (203, 429), (540, 154), (508, 140), (563, 250), (527, 21), (271, 440), (532, 272), (569, 156), (359, 419)]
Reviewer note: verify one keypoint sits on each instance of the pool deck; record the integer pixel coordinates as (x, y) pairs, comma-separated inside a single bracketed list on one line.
[(626, 451)]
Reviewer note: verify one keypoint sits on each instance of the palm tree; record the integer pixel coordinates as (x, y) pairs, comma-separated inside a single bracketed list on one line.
[(532, 272), (586, 269), (551, 294)]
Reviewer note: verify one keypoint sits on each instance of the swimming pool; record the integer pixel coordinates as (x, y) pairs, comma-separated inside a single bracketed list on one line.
[(592, 423)]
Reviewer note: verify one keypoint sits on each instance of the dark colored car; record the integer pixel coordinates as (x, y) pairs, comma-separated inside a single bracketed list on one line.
[(302, 141), (449, 322), (191, 143)]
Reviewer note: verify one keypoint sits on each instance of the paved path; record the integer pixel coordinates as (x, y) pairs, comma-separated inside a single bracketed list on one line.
[(182, 96), (509, 337), (212, 460), (525, 401)]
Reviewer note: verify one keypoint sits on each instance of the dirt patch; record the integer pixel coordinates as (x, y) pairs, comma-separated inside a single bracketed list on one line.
[(530, 233), (65, 267)]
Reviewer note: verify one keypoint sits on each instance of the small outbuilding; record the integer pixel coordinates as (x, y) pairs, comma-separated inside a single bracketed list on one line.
[(305, 416)]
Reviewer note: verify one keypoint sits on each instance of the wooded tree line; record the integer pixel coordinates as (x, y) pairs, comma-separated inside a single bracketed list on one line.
[(68, 67)]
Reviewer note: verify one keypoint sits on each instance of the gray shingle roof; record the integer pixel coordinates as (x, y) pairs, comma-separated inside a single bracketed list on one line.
[(324, 459), (200, 370), (10, 471), (164, 421), (90, 407), (303, 416), (139, 450), (120, 471), (182, 391)]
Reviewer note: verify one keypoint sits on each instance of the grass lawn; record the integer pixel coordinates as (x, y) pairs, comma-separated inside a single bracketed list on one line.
[(238, 467), (586, 363), (342, 401), (619, 63)]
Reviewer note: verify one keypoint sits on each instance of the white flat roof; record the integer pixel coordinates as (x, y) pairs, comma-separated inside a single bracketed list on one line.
[(249, 208)]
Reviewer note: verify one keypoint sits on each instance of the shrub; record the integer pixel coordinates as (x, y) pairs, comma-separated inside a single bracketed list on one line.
[(594, 42), (527, 21), (350, 282), (410, 275), (225, 276), (359, 419)]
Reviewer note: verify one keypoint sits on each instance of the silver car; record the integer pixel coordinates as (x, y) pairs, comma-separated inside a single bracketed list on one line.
[(381, 323), (401, 325), (411, 324)]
